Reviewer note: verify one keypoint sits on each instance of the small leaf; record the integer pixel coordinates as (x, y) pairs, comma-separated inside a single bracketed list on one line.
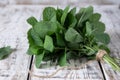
[(33, 49), (38, 58), (65, 12), (30, 39), (72, 35), (62, 59), (59, 14), (73, 11), (70, 21), (5, 52), (95, 17), (86, 13), (45, 28), (48, 44), (103, 38), (37, 40), (88, 29), (98, 27), (49, 13), (60, 40), (32, 20)]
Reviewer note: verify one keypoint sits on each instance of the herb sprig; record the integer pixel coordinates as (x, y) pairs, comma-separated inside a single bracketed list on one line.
[(64, 34)]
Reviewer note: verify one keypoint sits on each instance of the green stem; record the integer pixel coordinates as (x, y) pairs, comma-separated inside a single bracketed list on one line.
[(113, 63)]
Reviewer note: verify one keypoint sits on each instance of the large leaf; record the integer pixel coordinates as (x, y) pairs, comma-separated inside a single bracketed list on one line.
[(94, 17), (5, 52), (49, 13), (38, 58), (72, 35), (48, 43), (32, 20), (37, 40), (45, 28), (98, 27), (65, 12), (62, 59), (86, 13), (103, 38)]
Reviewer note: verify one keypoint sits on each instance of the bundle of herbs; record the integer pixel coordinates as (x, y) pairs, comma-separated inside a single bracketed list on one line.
[(62, 35)]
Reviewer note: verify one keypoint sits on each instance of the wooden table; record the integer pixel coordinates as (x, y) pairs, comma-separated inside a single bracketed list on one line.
[(13, 32)]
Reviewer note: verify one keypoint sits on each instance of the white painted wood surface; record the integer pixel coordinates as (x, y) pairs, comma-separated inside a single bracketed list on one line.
[(13, 29)]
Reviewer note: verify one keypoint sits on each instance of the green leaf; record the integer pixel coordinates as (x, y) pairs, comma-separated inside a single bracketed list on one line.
[(60, 40), (62, 59), (32, 20), (73, 11), (30, 39), (48, 44), (45, 28), (95, 17), (88, 29), (38, 58), (37, 40), (98, 27), (49, 13), (33, 49), (65, 12), (59, 14), (70, 21), (86, 13), (5, 52), (72, 35), (103, 38)]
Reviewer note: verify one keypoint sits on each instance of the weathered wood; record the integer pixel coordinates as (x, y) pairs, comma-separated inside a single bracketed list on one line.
[(13, 32)]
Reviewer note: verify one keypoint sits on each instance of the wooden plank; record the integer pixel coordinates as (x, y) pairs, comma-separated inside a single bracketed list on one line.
[(13, 32), (110, 15), (89, 71)]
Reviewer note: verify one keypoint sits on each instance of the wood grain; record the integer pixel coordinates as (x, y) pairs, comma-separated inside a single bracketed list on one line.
[(13, 32)]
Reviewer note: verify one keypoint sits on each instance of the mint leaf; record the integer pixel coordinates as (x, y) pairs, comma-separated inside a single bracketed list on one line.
[(103, 38), (86, 13), (59, 14), (60, 39), (48, 44), (49, 13), (73, 11), (94, 17), (62, 59), (37, 40), (88, 29), (65, 12), (44, 28), (98, 27), (5, 52), (70, 20), (72, 35), (32, 20), (38, 58)]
